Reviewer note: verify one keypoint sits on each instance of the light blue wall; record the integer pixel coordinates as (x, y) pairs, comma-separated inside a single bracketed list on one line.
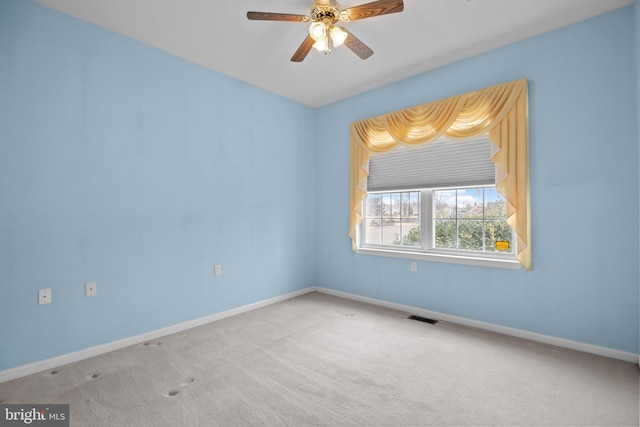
[(636, 8), (127, 166), (584, 191)]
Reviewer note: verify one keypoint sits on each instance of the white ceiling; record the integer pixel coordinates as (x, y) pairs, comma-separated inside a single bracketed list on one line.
[(428, 34)]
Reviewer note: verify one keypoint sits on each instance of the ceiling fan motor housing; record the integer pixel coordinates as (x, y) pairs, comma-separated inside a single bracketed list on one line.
[(328, 10)]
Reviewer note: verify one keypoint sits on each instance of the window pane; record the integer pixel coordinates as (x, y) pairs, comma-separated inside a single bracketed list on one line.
[(396, 206), (393, 219), (372, 232), (391, 232), (386, 205), (374, 206), (500, 232), (444, 204), (470, 203), (407, 205), (414, 205), (411, 205), (470, 235), (495, 205), (471, 219), (445, 233), (410, 232)]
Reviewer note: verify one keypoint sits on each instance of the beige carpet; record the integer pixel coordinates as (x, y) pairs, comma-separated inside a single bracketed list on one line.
[(321, 360)]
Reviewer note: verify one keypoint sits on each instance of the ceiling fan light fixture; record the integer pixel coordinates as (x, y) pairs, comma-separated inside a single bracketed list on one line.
[(322, 45), (318, 31), (338, 36)]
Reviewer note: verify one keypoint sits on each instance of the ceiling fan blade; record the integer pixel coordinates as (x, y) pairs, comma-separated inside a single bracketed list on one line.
[(376, 8), (303, 50), (359, 48), (268, 16)]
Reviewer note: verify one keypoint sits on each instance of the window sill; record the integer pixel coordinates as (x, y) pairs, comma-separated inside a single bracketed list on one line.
[(511, 264)]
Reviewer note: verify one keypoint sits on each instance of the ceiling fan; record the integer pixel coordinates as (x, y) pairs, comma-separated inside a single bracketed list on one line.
[(323, 33)]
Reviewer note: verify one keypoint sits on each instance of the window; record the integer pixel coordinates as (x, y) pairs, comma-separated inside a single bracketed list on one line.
[(500, 113), (471, 219), (468, 222), (437, 202), (393, 219)]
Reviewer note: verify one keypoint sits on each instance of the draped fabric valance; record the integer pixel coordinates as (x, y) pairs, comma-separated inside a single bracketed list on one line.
[(499, 111)]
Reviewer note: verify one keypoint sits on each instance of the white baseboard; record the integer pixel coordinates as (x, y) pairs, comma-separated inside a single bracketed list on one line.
[(546, 339), (65, 359)]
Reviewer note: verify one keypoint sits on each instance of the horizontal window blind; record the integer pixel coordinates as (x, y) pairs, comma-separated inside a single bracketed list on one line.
[(443, 163)]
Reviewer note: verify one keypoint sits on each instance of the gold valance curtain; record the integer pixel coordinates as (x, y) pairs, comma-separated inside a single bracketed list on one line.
[(500, 111)]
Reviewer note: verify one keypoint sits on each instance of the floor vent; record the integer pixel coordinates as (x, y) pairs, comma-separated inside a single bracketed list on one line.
[(423, 319)]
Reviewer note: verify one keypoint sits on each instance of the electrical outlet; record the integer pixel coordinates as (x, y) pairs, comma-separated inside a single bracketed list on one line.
[(90, 289), (44, 296), (414, 266), (217, 270)]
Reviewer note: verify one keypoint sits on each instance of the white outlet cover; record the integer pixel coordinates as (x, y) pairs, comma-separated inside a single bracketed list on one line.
[(44, 296), (90, 289)]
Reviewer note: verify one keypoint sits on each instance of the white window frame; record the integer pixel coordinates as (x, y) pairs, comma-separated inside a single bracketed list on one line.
[(427, 252)]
